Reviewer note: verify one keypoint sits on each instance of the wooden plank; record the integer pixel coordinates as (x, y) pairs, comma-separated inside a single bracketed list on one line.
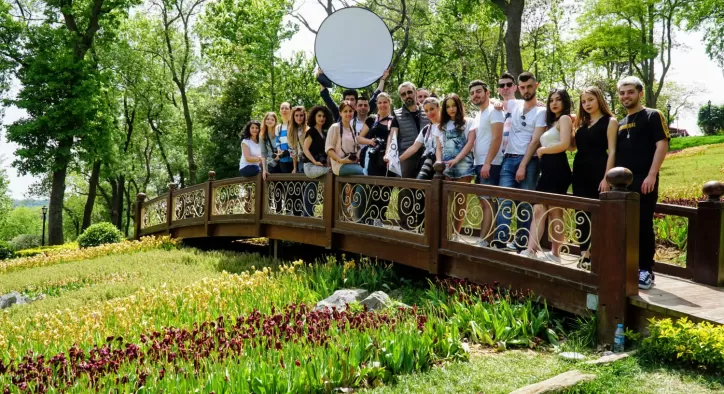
[(373, 232), (234, 230), (381, 249), (673, 270), (708, 266), (531, 196), (558, 293), (676, 210), (305, 236)]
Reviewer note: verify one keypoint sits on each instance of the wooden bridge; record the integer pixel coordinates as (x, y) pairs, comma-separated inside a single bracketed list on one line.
[(435, 226)]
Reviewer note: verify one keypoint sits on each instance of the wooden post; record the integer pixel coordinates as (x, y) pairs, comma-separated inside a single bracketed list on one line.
[(708, 264), (208, 201), (328, 207), (259, 203), (169, 207), (435, 218), (140, 198), (616, 253)]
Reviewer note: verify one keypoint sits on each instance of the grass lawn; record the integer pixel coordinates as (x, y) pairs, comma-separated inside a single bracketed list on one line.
[(685, 172), (489, 373), (690, 142)]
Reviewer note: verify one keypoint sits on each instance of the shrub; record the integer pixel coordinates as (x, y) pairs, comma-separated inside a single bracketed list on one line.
[(45, 249), (99, 234), (700, 344), (6, 251), (26, 241)]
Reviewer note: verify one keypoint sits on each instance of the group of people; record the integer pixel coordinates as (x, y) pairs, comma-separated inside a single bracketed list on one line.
[(516, 143)]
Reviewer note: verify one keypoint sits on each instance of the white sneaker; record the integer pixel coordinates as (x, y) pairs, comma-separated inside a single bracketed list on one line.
[(529, 253), (483, 243), (549, 256), (377, 223), (511, 246), (455, 238)]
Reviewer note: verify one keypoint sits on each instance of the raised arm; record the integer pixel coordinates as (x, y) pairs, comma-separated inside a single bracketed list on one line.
[(380, 89)]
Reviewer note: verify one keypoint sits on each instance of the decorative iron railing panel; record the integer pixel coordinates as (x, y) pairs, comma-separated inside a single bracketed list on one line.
[(234, 199), (302, 198), (385, 206), (189, 204), (154, 212)]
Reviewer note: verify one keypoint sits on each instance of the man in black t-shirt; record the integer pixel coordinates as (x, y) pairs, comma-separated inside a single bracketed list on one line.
[(641, 146)]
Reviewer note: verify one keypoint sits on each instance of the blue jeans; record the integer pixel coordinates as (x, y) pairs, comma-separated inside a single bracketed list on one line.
[(249, 170), (524, 211), (351, 169)]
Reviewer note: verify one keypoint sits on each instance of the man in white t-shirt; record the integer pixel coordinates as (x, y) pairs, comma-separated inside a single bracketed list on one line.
[(520, 168), (488, 125), (506, 90)]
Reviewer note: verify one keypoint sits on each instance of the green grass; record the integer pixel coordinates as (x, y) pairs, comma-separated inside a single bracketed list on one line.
[(507, 371), (690, 142), (684, 173)]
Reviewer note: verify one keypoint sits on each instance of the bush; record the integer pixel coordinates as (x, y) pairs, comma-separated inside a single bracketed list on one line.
[(45, 249), (99, 234), (26, 241), (700, 344), (6, 251)]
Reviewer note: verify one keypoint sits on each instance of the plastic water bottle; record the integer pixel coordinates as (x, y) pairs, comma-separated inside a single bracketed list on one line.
[(618, 339)]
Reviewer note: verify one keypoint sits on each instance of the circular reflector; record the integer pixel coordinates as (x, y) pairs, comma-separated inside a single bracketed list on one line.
[(353, 47)]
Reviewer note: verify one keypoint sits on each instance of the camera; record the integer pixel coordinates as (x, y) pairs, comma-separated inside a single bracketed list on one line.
[(380, 145), (283, 154), (352, 156), (426, 170)]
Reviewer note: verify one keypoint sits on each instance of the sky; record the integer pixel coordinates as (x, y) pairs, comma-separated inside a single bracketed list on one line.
[(690, 67)]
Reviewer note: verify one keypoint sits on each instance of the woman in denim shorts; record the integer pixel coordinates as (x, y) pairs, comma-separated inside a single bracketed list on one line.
[(456, 151)]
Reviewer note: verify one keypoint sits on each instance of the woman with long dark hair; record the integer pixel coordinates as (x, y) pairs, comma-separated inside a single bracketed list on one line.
[(314, 157), (555, 173), (595, 140), (269, 157), (297, 130), (455, 149), (249, 165)]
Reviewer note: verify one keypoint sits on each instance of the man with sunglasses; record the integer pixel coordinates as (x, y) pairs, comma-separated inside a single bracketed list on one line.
[(406, 125), (506, 90), (520, 167)]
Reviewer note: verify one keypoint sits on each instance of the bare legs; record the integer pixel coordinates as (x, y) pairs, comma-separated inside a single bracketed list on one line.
[(555, 226)]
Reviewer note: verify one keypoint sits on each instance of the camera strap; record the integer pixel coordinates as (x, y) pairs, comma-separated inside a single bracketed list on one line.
[(341, 135)]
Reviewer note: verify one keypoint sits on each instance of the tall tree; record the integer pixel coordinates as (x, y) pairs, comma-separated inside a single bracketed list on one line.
[(61, 89), (513, 11)]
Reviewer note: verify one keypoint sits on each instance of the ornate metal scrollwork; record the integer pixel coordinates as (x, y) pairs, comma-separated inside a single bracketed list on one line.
[(504, 223), (234, 199), (295, 198), (189, 205), (154, 213), (383, 206)]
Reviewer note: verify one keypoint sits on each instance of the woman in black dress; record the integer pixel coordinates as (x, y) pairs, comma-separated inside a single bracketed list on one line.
[(595, 139), (555, 174)]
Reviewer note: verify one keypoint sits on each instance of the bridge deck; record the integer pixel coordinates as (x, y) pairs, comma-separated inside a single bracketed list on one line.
[(676, 297)]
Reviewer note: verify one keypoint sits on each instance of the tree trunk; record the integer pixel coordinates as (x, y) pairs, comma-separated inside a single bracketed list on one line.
[(513, 10), (189, 137), (57, 193), (92, 190)]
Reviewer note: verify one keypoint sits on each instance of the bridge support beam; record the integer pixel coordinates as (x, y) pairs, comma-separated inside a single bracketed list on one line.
[(615, 252), (707, 266)]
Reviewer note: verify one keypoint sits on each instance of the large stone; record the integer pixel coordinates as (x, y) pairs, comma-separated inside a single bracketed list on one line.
[(378, 300), (12, 298), (555, 384), (609, 358), (340, 298)]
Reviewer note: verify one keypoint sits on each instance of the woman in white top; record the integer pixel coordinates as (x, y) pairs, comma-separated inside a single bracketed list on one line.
[(250, 162), (555, 174), (341, 146)]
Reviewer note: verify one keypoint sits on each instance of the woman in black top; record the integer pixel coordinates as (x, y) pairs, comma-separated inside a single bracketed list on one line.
[(315, 157), (595, 141)]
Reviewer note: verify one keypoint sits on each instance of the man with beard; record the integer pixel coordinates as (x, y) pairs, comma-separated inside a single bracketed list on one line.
[(641, 146), (487, 152), (506, 90), (406, 125), (520, 168)]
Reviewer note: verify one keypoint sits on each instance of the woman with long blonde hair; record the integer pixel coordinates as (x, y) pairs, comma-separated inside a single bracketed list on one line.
[(267, 140), (297, 131), (595, 140)]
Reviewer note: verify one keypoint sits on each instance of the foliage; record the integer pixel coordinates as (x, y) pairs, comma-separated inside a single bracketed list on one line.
[(585, 330), (100, 234), (671, 231), (26, 241), (682, 341), (690, 142), (711, 119), (65, 256), (21, 220), (5, 201), (6, 252), (45, 249)]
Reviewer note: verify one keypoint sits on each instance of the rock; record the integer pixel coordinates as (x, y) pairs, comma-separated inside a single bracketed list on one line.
[(340, 298), (608, 358), (557, 383), (573, 356), (377, 300), (13, 298)]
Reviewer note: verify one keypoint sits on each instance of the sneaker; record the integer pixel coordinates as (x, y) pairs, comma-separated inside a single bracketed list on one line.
[(483, 243), (455, 238), (511, 246), (549, 256), (529, 253), (378, 223), (646, 280)]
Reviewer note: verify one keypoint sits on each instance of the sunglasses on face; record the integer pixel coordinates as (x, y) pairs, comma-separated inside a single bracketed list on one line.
[(407, 93), (505, 85)]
